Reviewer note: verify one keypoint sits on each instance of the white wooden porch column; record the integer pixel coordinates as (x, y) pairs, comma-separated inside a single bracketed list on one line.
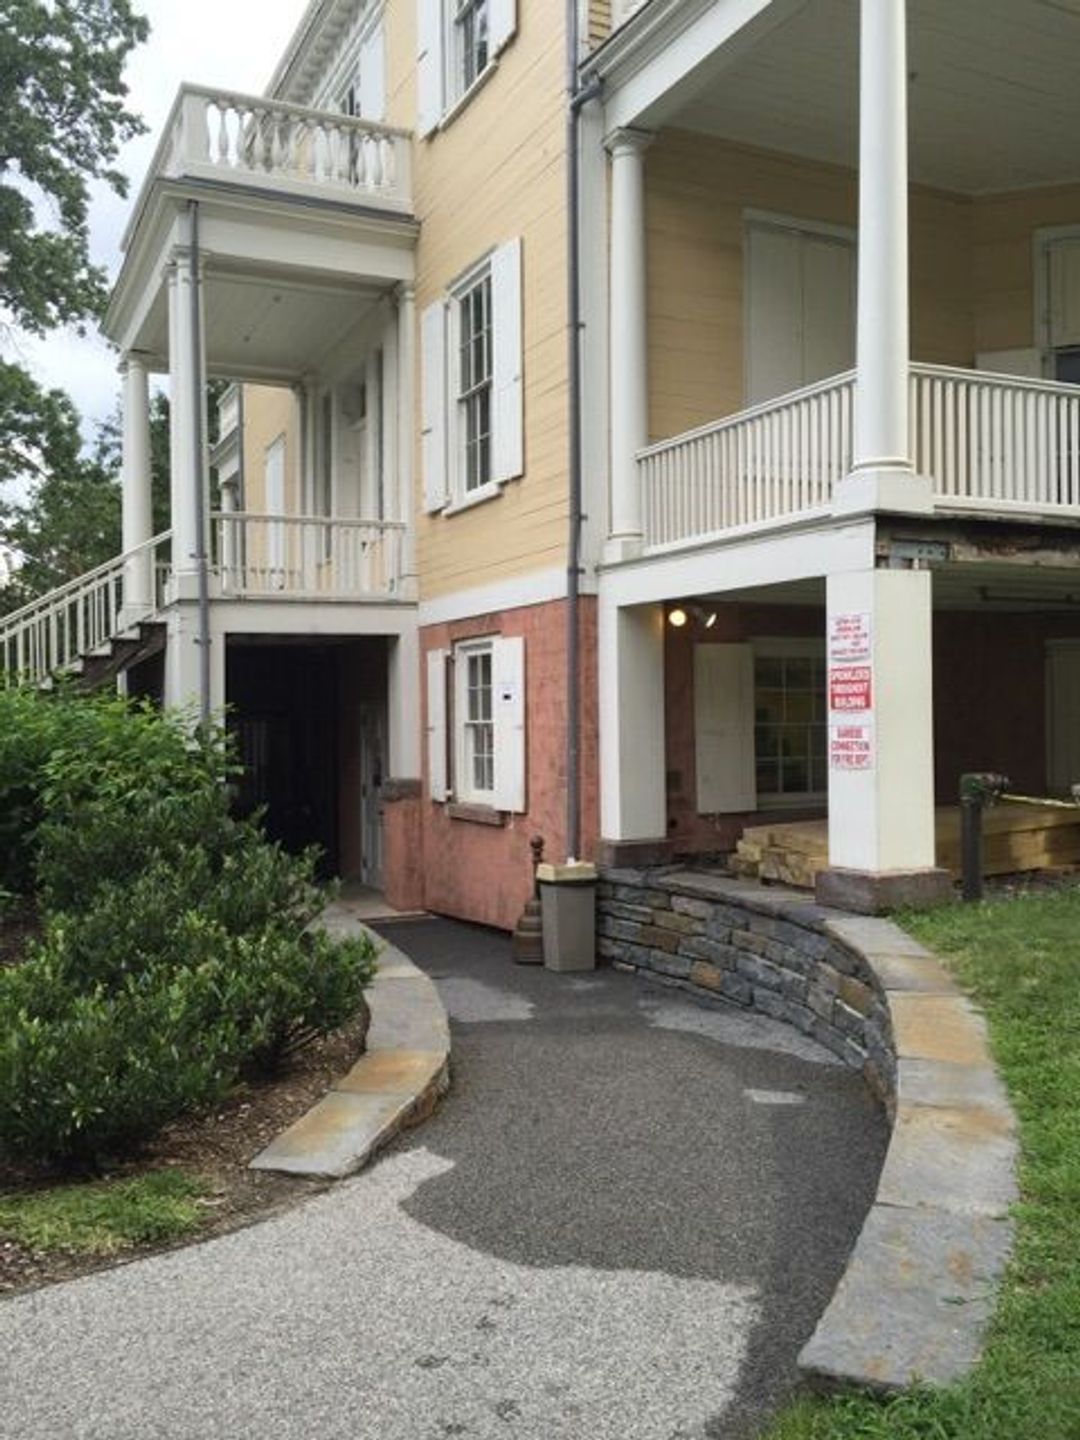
[(406, 439), (187, 406), (633, 799), (883, 474), (136, 497), (629, 400), (403, 704), (881, 741)]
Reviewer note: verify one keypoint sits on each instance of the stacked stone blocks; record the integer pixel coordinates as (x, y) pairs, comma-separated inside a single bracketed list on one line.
[(766, 950)]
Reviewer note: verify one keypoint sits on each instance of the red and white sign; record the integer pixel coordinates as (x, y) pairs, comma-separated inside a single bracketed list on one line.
[(851, 747), (850, 639), (850, 688)]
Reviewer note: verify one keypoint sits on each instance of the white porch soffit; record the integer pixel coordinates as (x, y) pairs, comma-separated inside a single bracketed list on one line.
[(995, 103)]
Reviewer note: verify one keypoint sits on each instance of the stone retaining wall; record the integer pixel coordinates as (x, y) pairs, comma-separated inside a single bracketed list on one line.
[(768, 950), (920, 1285)]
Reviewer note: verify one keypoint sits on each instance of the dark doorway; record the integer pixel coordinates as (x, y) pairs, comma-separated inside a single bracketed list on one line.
[(296, 712), (284, 718)]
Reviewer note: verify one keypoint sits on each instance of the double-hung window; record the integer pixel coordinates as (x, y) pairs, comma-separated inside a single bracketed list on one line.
[(470, 43), (472, 430), (474, 384), (476, 768), (476, 723), (458, 43)]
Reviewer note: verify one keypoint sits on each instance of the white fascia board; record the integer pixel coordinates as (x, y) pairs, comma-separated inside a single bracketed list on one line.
[(662, 44), (142, 272), (806, 553), (540, 587), (312, 617)]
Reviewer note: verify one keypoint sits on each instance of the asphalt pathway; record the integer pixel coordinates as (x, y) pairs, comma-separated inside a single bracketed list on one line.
[(623, 1222)]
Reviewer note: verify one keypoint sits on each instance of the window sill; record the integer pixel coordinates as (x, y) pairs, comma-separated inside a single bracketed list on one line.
[(465, 98), (475, 814), (491, 491)]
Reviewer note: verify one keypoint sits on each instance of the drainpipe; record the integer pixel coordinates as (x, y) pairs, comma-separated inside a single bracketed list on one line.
[(577, 99), (201, 557)]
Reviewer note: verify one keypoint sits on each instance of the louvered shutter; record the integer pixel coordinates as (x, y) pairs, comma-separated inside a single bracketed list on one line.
[(508, 444), (508, 701)]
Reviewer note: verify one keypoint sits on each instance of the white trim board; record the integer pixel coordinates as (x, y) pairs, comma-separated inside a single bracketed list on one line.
[(539, 587)]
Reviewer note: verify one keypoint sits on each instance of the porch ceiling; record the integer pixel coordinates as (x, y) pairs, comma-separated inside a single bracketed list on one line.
[(265, 325), (995, 104)]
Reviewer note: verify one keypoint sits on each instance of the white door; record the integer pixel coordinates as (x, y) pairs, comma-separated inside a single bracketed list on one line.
[(800, 308), (1063, 715)]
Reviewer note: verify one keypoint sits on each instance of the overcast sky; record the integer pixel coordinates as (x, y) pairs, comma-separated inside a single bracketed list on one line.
[(232, 43)]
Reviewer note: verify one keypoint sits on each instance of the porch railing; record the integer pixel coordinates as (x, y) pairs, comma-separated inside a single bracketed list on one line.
[(988, 442), (307, 556), (778, 459), (221, 134), (51, 634), (996, 441)]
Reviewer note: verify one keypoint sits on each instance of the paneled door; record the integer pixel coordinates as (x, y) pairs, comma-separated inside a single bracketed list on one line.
[(800, 306)]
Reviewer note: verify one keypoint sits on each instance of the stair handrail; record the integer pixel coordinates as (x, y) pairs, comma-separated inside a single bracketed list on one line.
[(80, 582)]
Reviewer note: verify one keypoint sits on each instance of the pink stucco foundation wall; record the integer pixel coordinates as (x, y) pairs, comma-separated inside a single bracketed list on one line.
[(483, 872)]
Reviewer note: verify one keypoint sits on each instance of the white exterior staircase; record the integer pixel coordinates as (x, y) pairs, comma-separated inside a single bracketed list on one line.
[(84, 628)]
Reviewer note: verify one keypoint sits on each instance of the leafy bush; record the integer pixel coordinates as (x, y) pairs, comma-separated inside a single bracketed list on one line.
[(177, 947), (83, 1073)]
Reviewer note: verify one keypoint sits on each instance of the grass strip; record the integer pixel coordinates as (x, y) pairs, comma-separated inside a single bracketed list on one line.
[(1020, 960), (102, 1217)]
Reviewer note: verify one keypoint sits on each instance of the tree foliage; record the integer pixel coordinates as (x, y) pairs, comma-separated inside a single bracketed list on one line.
[(62, 121)]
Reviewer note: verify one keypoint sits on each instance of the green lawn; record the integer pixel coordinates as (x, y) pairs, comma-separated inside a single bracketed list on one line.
[(1020, 959), (105, 1216)]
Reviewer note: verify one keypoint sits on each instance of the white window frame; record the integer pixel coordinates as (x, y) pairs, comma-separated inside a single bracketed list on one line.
[(447, 485), (461, 17), (461, 397), (466, 728), (788, 648), (445, 82)]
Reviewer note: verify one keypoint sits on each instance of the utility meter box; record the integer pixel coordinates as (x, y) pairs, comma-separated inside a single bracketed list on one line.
[(568, 906)]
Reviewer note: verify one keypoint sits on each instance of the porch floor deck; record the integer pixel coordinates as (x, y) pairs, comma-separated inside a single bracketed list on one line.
[(1016, 838)]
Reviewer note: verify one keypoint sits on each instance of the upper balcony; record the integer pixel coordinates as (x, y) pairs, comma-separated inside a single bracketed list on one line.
[(1001, 446), (224, 137)]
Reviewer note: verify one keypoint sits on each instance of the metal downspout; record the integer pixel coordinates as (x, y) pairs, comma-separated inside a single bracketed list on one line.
[(576, 99), (198, 436)]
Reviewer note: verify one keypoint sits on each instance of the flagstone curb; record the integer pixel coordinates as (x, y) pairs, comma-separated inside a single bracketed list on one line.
[(395, 1084), (921, 1282)]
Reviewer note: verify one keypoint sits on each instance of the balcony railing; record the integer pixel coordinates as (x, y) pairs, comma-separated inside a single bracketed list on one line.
[(307, 557), (995, 443), (221, 135)]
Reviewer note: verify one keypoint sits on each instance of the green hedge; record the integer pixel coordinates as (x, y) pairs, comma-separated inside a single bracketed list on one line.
[(176, 950)]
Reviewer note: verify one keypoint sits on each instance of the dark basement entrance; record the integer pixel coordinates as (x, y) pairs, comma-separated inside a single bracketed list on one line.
[(309, 719)]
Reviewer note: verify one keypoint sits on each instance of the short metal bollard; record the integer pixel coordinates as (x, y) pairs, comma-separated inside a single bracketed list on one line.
[(977, 790)]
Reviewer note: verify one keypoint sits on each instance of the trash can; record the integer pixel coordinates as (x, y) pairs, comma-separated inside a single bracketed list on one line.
[(568, 907)]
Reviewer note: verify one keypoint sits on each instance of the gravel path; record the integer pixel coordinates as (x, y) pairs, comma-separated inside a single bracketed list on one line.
[(623, 1222)]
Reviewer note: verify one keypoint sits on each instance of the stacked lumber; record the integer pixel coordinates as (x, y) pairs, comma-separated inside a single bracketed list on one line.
[(1016, 838)]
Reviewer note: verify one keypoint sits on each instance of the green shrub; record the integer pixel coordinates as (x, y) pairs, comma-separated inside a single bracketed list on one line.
[(84, 1074), (177, 947), (30, 729)]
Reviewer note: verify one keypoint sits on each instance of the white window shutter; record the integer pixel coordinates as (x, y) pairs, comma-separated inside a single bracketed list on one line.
[(433, 405), (373, 76), (429, 64), (724, 728), (507, 441), (508, 699), (503, 22), (436, 724)]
